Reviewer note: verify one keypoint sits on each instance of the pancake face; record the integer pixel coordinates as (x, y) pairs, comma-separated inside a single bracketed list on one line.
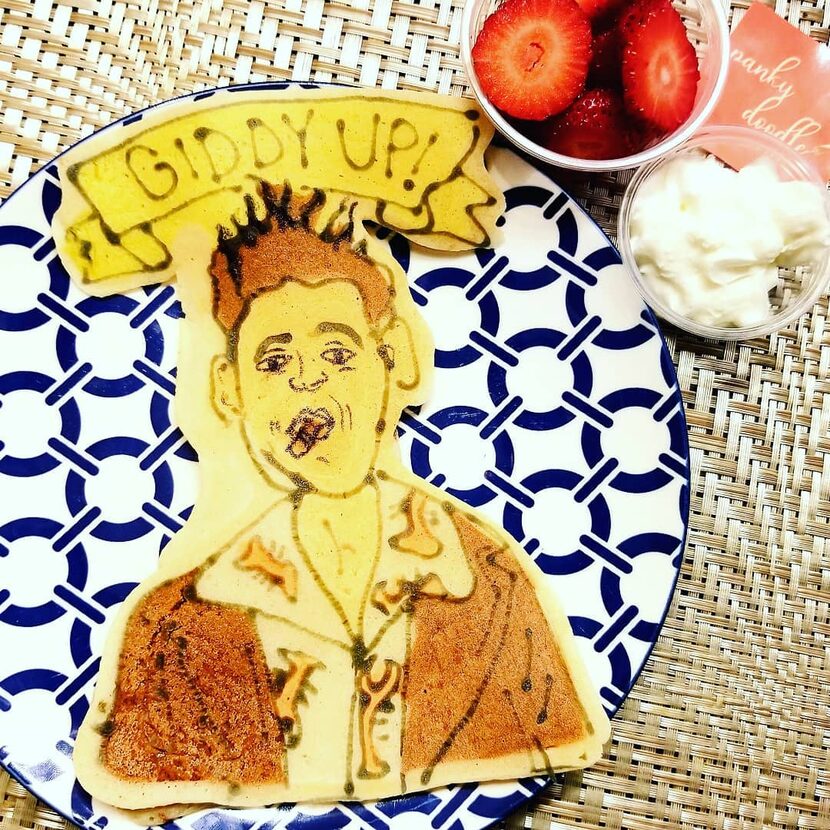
[(327, 625)]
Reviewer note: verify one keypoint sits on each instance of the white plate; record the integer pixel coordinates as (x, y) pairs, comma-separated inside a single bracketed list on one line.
[(555, 411)]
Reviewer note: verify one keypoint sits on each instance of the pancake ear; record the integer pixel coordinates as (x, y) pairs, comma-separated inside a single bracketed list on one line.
[(399, 356), (224, 384)]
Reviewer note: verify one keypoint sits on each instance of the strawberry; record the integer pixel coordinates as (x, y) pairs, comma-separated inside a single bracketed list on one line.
[(605, 65), (659, 70), (593, 127), (597, 9), (637, 13), (532, 56)]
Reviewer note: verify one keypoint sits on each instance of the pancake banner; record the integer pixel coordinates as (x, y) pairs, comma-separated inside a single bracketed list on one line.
[(413, 163)]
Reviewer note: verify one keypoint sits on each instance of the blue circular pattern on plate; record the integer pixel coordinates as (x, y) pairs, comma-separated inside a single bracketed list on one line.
[(69, 411)]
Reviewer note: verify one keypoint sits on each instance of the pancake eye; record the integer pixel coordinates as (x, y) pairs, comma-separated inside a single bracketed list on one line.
[(338, 355), (274, 362)]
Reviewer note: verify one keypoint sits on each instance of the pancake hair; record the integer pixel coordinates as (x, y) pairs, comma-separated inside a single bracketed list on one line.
[(286, 243)]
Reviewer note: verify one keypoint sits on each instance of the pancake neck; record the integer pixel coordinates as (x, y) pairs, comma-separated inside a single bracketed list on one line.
[(340, 539)]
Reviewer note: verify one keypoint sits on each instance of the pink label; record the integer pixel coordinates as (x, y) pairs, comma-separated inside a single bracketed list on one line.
[(779, 83)]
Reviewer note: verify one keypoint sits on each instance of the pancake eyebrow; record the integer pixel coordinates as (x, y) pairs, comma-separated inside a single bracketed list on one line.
[(325, 328), (269, 341)]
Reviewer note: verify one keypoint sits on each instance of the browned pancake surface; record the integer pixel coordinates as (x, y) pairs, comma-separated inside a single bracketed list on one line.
[(193, 699), (485, 677)]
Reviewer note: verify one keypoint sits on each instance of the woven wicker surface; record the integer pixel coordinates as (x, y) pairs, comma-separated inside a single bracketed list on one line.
[(728, 726)]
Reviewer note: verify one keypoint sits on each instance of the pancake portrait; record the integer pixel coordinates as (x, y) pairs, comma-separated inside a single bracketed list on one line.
[(327, 625)]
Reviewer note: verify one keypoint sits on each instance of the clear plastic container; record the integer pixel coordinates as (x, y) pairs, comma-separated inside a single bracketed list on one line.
[(708, 32), (798, 287)]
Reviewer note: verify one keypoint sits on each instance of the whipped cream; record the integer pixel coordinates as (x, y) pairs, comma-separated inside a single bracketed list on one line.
[(709, 240)]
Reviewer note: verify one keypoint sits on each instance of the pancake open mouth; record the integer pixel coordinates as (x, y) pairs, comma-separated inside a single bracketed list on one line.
[(308, 428)]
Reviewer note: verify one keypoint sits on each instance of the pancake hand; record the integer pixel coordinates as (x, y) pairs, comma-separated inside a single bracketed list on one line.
[(280, 572)]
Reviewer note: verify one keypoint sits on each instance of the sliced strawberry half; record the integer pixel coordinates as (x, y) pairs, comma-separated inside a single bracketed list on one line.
[(593, 127), (659, 70), (532, 56), (604, 70)]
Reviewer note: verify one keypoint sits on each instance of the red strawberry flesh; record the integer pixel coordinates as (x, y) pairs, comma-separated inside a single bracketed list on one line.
[(531, 58), (659, 70)]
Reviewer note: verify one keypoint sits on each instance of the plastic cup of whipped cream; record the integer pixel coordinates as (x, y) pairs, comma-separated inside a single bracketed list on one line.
[(727, 258)]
